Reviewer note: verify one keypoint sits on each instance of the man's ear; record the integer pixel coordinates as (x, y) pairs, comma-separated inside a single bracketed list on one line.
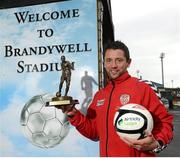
[(129, 62)]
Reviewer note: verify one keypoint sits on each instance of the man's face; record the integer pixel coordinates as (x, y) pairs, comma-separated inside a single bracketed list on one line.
[(115, 62)]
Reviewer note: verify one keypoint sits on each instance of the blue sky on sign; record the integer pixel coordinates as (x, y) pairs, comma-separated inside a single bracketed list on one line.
[(17, 88)]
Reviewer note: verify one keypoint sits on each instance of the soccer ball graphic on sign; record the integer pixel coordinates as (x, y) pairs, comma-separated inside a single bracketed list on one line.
[(44, 126)]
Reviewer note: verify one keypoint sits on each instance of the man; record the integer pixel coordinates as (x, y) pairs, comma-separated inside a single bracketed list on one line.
[(66, 68), (98, 123)]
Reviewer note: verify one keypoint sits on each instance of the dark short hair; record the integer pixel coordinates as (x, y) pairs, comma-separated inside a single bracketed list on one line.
[(118, 45)]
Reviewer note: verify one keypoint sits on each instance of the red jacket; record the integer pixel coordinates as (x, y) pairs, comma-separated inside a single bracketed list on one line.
[(98, 123)]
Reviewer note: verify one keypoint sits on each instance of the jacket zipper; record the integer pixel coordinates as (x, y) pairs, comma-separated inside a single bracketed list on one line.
[(107, 118)]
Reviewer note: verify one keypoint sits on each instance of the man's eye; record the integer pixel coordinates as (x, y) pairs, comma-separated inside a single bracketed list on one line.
[(118, 60), (108, 60)]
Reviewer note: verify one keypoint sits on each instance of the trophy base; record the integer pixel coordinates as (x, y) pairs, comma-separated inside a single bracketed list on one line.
[(62, 101)]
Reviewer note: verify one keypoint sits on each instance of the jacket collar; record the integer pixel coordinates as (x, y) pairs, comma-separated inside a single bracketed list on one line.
[(121, 78)]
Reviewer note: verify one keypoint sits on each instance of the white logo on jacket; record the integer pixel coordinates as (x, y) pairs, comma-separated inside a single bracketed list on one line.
[(124, 98), (100, 102)]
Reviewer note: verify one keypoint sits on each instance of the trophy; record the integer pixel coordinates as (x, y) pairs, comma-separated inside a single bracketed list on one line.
[(60, 100)]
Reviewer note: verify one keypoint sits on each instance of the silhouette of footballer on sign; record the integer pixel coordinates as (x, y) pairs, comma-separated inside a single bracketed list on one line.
[(87, 85)]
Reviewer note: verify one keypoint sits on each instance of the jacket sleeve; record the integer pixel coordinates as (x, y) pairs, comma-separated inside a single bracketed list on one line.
[(163, 121), (86, 125)]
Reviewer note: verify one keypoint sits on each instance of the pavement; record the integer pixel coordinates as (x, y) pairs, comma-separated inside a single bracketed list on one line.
[(173, 149)]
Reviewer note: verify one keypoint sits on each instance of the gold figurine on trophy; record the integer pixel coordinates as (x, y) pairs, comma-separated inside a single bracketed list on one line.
[(60, 100)]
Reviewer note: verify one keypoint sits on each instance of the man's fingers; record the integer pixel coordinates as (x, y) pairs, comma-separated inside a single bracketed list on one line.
[(65, 108), (138, 147), (128, 141), (147, 133)]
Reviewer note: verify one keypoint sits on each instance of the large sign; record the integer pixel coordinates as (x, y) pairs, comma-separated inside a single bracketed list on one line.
[(33, 40)]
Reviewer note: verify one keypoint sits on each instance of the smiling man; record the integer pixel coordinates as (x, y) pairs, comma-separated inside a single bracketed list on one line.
[(122, 89)]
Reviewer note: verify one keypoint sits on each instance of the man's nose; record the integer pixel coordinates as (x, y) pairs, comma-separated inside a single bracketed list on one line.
[(113, 63)]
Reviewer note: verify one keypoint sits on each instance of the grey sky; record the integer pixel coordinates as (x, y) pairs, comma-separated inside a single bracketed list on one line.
[(149, 28)]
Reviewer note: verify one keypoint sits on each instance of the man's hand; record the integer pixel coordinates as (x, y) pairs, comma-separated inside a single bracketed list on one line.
[(149, 143), (69, 110)]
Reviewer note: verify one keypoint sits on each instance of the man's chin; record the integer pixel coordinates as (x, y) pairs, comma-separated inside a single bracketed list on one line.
[(113, 77)]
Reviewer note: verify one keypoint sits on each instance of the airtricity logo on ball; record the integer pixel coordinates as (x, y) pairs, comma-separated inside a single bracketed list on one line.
[(130, 121)]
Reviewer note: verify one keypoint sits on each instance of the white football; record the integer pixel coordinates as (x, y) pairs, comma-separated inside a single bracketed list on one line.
[(131, 120)]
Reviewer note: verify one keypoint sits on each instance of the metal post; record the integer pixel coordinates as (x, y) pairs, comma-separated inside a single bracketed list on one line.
[(137, 71), (172, 83), (162, 55)]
